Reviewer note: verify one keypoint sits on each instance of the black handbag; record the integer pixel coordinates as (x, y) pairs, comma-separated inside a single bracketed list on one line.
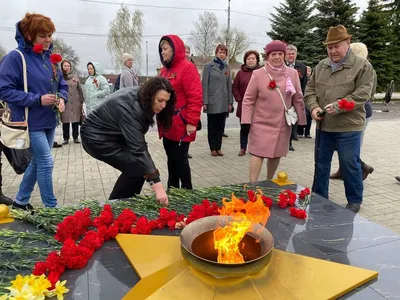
[(19, 159)]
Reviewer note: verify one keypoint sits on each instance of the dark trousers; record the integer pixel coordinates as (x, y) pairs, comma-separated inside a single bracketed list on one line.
[(117, 155), (244, 137), (305, 129), (293, 135), (215, 128), (348, 146), (178, 164), (75, 130)]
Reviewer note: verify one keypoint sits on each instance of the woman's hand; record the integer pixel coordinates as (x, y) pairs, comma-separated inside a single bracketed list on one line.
[(230, 108), (205, 107), (161, 195), (48, 99), (61, 105), (190, 129)]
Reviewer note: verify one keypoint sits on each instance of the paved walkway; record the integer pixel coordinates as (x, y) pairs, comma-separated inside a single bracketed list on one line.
[(78, 176)]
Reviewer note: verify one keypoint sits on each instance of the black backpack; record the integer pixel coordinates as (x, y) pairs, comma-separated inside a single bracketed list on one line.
[(116, 85)]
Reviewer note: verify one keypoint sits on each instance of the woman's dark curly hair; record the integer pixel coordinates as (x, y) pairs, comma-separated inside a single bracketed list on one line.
[(147, 95)]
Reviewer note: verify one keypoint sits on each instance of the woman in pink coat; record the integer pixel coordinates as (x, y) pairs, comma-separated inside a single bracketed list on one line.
[(263, 110)]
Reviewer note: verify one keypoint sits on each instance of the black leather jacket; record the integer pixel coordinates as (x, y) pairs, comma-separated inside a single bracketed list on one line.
[(120, 119)]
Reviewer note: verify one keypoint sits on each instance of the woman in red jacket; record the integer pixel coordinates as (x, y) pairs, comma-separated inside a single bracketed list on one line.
[(185, 80), (251, 62)]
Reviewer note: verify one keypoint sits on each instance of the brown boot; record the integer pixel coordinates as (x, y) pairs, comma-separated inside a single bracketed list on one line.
[(214, 153), (337, 174), (242, 152), (366, 170)]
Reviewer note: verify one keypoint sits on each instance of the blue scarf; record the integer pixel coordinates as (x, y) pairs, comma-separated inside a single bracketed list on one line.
[(220, 62), (335, 66)]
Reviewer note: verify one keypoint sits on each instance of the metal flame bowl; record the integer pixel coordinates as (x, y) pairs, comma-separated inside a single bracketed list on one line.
[(203, 225)]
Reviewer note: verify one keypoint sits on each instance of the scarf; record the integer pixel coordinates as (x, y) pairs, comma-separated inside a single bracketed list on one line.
[(335, 66), (289, 87), (68, 76), (220, 62), (253, 67)]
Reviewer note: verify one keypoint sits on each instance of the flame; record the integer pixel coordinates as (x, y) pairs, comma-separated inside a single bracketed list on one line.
[(228, 238)]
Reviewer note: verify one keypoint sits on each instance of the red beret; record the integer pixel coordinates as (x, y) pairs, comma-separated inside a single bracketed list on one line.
[(275, 46)]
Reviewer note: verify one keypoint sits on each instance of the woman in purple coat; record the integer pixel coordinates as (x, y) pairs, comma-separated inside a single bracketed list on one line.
[(264, 111), (239, 86)]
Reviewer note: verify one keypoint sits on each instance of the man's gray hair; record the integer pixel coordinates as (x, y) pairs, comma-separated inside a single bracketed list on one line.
[(292, 47)]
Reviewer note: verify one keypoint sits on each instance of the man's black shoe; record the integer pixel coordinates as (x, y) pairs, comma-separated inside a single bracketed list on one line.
[(55, 145), (291, 148), (224, 135), (189, 156)]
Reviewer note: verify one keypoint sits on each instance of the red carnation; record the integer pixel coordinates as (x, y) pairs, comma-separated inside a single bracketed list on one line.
[(251, 196), (53, 277), (272, 84), (40, 268), (38, 48), (346, 105), (298, 213), (282, 203), (268, 201), (55, 58), (304, 193), (92, 240)]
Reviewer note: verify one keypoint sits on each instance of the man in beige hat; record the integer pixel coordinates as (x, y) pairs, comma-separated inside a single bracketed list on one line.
[(342, 75)]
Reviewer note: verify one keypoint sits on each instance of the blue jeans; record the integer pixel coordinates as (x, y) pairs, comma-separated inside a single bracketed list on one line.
[(40, 169), (348, 146)]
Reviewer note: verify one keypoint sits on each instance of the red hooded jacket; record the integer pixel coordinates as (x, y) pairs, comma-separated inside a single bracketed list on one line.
[(186, 82)]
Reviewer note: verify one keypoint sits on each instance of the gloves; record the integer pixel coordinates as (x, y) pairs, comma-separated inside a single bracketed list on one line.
[(245, 129)]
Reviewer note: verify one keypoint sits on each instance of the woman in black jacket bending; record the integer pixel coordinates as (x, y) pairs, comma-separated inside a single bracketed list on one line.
[(114, 133)]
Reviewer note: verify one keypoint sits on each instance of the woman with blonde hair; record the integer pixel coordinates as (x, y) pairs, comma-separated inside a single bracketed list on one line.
[(270, 89), (361, 50)]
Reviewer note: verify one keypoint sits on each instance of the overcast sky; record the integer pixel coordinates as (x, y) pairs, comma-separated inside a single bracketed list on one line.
[(87, 23)]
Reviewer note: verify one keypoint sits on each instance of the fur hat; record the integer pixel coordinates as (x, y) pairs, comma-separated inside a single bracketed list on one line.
[(275, 46), (125, 57)]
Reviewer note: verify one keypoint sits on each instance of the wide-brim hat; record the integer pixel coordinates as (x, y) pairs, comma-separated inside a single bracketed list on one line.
[(336, 34)]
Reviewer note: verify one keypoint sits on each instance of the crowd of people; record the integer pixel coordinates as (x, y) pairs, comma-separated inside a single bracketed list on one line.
[(277, 102)]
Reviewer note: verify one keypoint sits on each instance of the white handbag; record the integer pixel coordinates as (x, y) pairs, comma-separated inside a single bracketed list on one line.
[(15, 135), (290, 114)]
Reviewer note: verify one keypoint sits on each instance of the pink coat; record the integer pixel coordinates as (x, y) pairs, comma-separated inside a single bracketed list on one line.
[(263, 109)]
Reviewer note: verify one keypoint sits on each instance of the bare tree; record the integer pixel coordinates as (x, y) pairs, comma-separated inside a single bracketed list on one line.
[(125, 35), (67, 52), (3, 52), (204, 37), (236, 39)]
